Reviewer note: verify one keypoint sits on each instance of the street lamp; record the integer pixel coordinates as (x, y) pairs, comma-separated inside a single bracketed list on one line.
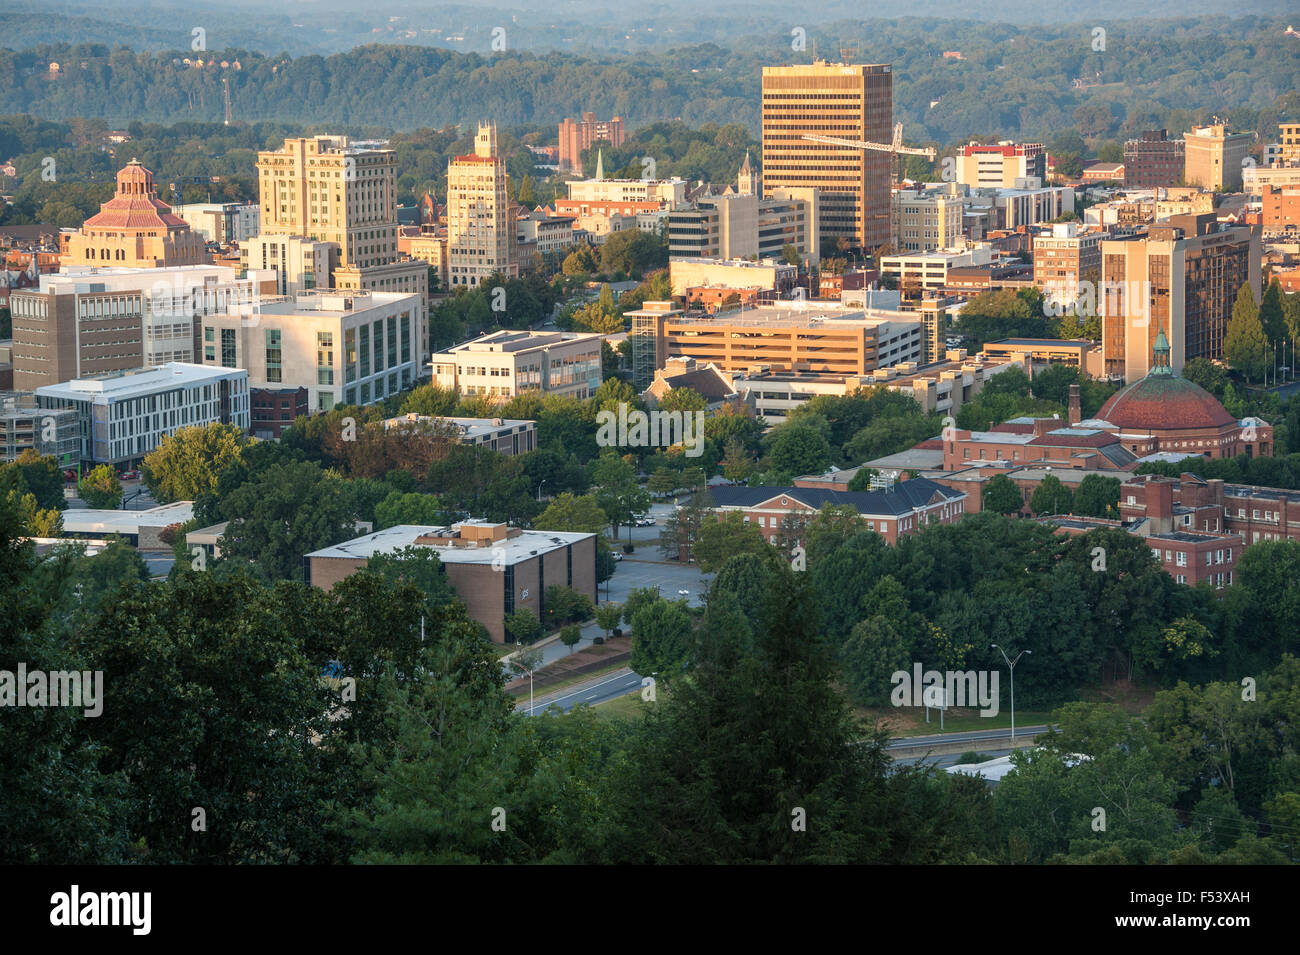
[(539, 490), (1011, 665), (520, 644)]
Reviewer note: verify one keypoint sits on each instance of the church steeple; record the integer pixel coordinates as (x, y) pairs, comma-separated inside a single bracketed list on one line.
[(600, 164), (747, 183)]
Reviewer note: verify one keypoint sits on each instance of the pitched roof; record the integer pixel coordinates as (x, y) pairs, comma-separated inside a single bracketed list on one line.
[(903, 498)]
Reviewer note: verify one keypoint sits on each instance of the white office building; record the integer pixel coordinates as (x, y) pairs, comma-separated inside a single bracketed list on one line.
[(122, 416)]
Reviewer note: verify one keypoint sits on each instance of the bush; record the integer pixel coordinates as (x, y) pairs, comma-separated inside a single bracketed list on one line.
[(598, 640), (618, 631), (628, 548), (970, 756)]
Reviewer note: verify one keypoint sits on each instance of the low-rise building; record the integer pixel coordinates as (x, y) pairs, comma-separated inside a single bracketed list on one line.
[(507, 435), (495, 569), (122, 416), (506, 363), (29, 428)]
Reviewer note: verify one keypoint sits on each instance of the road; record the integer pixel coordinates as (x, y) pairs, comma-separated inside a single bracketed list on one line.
[(605, 688)]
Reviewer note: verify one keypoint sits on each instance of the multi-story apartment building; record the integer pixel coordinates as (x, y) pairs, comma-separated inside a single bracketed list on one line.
[(549, 234), (1181, 277), (134, 229), (816, 338), (122, 416), (25, 427), (1154, 161), (739, 226), (352, 347), (998, 167), (343, 192), (481, 233), (507, 363), (838, 100), (576, 137), (1214, 156), (1288, 144), (923, 219), (1065, 258), (1280, 208)]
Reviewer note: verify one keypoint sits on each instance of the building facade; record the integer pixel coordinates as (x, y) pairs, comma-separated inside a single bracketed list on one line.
[(578, 136), (1154, 161), (507, 363), (480, 231), (836, 100), (122, 417), (1214, 157), (999, 166)]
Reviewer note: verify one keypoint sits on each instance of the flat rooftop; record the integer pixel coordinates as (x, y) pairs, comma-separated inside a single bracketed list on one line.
[(390, 539), (121, 384), (85, 520)]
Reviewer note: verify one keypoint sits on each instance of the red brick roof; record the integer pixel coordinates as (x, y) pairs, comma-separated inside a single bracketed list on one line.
[(1164, 403), (136, 205)]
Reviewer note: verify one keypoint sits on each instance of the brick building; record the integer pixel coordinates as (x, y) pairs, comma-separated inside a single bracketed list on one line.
[(495, 569)]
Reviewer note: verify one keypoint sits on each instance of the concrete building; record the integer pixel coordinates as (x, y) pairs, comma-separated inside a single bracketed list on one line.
[(621, 195), (122, 416), (814, 338), (1082, 355), (1065, 258), (506, 435), (1154, 161), (838, 100), (766, 275), (24, 427), (88, 321), (648, 342), (1255, 178), (300, 263), (921, 272), (221, 222), (923, 219), (999, 166), (903, 508), (480, 231), (1214, 157), (1289, 144), (343, 192), (506, 363), (1280, 208), (1181, 277), (576, 137), (134, 229), (739, 226), (550, 234), (495, 569), (350, 347), (140, 529)]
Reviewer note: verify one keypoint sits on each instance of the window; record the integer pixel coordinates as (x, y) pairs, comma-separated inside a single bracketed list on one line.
[(228, 348), (1182, 558), (273, 354), (365, 356), (392, 340)]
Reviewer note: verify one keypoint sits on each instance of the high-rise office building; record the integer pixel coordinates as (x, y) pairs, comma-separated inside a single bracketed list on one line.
[(1182, 276), (480, 231), (333, 189), (838, 100), (1154, 161), (1214, 157)]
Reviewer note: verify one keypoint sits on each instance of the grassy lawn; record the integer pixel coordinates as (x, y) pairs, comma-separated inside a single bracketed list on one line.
[(630, 707)]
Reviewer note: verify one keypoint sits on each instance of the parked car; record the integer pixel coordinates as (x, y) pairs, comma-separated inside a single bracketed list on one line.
[(69, 475), (617, 555), (130, 475)]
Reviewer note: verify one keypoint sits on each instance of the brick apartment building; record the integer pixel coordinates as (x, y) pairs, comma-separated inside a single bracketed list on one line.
[(495, 569)]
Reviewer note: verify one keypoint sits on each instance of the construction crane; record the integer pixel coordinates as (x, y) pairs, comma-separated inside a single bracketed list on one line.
[(895, 148)]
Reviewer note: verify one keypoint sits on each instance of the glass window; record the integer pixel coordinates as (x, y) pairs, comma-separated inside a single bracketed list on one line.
[(350, 357), (273, 354), (365, 355), (228, 348), (392, 341)]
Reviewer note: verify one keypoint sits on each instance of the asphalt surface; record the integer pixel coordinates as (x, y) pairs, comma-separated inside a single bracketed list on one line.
[(608, 687)]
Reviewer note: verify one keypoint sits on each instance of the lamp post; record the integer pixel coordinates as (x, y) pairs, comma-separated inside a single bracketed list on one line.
[(1011, 665), (520, 644), (539, 490)]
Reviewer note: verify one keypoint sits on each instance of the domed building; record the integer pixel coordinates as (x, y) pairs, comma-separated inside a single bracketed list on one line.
[(1163, 412), (135, 229)]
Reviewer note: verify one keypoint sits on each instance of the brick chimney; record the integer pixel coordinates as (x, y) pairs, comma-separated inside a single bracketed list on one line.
[(1160, 505), (1076, 412)]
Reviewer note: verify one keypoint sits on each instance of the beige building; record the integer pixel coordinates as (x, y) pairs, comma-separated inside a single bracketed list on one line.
[(999, 166), (300, 263), (920, 272), (506, 363), (480, 231), (343, 192), (135, 229), (1214, 156), (351, 347), (1289, 143), (738, 226), (495, 569), (664, 193), (687, 273), (813, 338), (924, 219), (1066, 257), (841, 101), (1182, 277)]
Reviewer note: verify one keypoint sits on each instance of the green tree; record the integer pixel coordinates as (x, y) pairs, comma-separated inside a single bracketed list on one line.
[(790, 254), (683, 399), (1051, 497), (42, 477), (1244, 345), (398, 508), (1097, 496), (570, 635), (583, 515), (608, 616), (188, 463), (101, 488), (523, 626), (660, 635), (664, 481), (1001, 496), (617, 491), (726, 537), (1271, 315), (799, 449)]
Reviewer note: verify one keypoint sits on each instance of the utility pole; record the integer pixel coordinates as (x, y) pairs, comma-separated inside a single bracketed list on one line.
[(1011, 665)]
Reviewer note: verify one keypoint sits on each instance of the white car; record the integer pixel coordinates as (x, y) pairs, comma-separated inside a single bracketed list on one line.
[(617, 555)]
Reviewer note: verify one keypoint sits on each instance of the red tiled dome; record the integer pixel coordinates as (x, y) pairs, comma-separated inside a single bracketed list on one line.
[(1164, 403)]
